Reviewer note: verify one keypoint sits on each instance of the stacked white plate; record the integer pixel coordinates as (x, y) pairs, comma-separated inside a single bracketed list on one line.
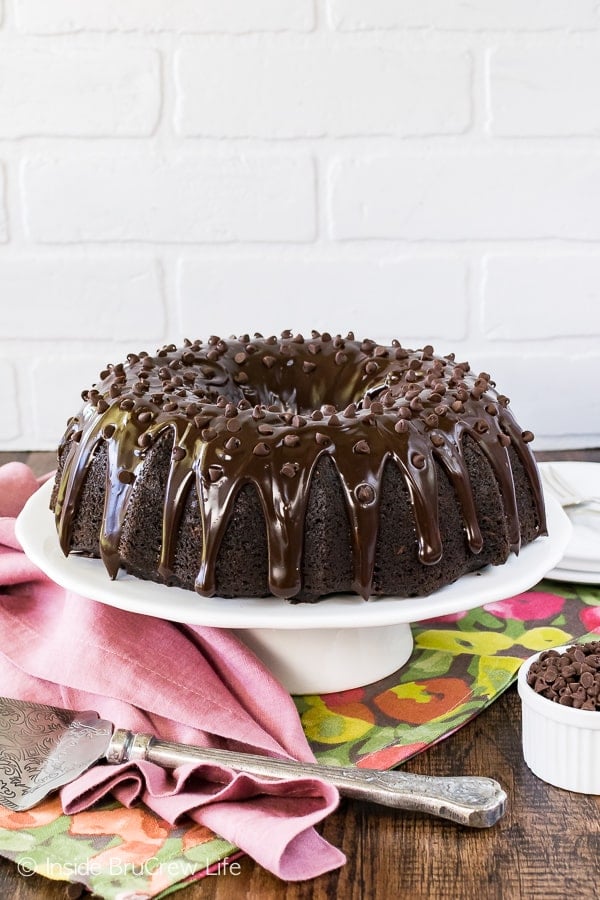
[(581, 561)]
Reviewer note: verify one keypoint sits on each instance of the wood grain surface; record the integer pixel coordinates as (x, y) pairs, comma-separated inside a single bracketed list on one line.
[(546, 846)]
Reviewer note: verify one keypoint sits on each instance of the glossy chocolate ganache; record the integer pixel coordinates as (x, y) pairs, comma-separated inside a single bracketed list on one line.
[(296, 467)]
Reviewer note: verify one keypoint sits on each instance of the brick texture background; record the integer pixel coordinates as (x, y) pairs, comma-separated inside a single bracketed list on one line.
[(428, 171)]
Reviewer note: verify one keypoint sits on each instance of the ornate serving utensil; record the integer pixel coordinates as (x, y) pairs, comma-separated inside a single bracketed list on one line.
[(44, 747)]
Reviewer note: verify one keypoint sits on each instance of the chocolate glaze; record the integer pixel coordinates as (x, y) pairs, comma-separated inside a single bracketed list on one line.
[(263, 411)]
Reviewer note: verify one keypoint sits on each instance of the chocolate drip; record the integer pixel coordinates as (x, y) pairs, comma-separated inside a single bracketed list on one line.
[(263, 411)]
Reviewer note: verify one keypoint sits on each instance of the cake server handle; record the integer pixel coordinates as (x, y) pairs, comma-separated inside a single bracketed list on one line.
[(467, 800)]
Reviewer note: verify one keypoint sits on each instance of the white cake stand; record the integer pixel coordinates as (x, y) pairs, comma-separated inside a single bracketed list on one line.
[(337, 644)]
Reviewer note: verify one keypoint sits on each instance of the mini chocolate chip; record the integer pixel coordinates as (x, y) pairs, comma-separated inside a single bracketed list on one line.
[(377, 408), (240, 377), (316, 415), (209, 434), (178, 452), (437, 440), (258, 413), (215, 473), (231, 411), (261, 449), (233, 425), (361, 447), (340, 358), (107, 432), (102, 405), (504, 439), (265, 429), (418, 460), (364, 493), (171, 406), (240, 358), (314, 348), (350, 411), (298, 421), (126, 477), (288, 469), (145, 416), (322, 439), (268, 361), (291, 440), (527, 436), (401, 426), (334, 420), (232, 443), (308, 366), (481, 426), (371, 367)]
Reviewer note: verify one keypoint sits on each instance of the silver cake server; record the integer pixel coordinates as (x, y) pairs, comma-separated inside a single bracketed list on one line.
[(44, 747)]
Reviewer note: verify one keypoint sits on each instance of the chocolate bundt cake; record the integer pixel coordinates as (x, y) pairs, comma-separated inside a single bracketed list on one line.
[(296, 467)]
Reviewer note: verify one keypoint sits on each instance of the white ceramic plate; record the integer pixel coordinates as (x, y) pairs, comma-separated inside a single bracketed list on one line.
[(337, 644), (560, 574), (582, 554)]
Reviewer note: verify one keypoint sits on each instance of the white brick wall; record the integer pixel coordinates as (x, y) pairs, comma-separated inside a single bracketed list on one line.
[(275, 88), (422, 170)]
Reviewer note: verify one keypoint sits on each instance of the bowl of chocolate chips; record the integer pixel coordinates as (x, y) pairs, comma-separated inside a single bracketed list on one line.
[(560, 695)]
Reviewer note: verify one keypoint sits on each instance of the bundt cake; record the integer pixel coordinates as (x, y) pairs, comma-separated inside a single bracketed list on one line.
[(296, 467)]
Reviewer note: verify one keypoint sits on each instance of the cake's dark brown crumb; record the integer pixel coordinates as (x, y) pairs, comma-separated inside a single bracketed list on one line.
[(327, 561), (227, 469)]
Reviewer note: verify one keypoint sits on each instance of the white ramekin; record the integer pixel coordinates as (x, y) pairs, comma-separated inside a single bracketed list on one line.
[(561, 745)]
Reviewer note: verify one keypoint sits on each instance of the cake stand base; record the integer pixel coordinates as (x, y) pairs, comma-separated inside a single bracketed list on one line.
[(340, 658)]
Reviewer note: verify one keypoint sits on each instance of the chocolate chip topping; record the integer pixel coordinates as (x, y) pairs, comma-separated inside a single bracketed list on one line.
[(571, 678), (268, 398)]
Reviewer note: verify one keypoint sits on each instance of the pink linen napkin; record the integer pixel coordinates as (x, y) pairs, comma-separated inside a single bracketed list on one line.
[(181, 682)]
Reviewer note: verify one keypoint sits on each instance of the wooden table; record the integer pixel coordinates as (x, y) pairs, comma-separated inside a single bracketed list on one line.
[(546, 846)]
